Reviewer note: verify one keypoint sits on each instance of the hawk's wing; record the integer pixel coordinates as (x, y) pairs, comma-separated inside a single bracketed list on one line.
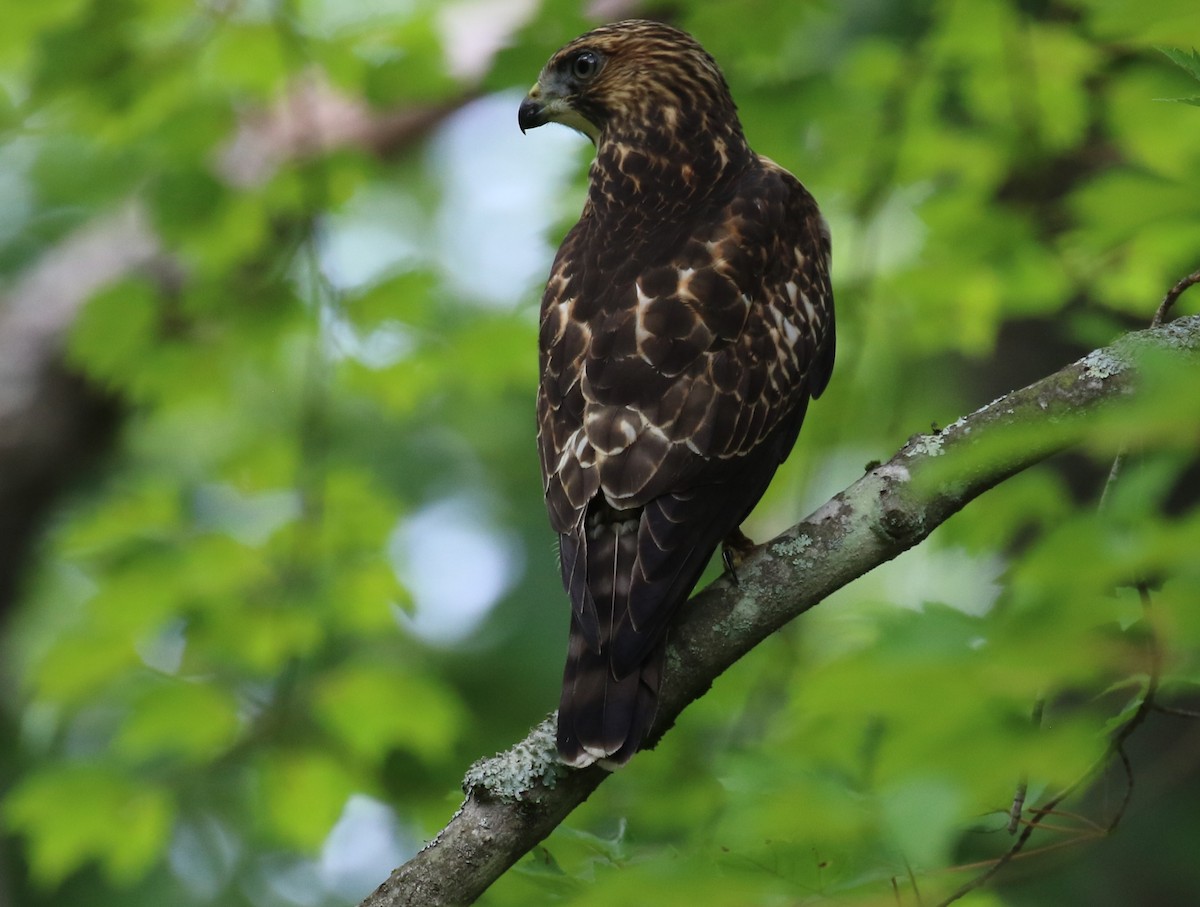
[(674, 381)]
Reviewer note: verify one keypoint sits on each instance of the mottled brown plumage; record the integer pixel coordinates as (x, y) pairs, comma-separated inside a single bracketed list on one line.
[(686, 322)]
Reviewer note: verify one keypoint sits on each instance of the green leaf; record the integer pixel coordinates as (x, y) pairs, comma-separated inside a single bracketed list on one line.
[(305, 792), (1119, 720), (185, 199), (113, 334), (73, 173), (72, 814), (246, 58), (923, 816), (373, 709), (193, 720), (83, 662), (408, 297), (612, 848), (1188, 62), (540, 862), (262, 635), (408, 64), (93, 52), (24, 23)]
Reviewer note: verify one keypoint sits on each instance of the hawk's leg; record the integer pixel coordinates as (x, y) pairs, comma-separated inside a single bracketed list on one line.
[(734, 549)]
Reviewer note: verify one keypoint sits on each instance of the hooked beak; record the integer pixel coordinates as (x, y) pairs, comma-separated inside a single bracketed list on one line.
[(532, 113), (553, 105)]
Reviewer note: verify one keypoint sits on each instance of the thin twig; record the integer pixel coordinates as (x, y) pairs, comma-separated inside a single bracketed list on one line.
[(1028, 854), (1172, 295), (912, 880), (1144, 707), (1066, 829), (1176, 711), (1018, 804), (1080, 818), (1113, 474)]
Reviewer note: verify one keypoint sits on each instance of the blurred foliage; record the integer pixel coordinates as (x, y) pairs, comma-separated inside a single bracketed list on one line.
[(220, 655)]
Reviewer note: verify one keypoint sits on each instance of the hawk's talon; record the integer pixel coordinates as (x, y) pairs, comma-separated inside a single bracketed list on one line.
[(730, 561), (734, 549)]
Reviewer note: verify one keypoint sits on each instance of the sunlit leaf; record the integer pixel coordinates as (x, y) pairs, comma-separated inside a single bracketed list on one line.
[(120, 821), (303, 793), (192, 720), (375, 709)]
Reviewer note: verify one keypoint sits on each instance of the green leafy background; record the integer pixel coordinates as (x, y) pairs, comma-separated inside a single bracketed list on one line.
[(258, 648)]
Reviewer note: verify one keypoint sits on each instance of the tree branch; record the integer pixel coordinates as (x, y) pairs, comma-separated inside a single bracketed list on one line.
[(516, 799)]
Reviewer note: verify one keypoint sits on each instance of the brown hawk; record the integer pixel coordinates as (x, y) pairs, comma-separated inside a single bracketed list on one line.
[(687, 320)]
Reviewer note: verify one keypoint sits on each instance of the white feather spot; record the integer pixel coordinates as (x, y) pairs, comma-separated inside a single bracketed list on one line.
[(790, 333), (628, 432), (649, 428), (809, 308), (563, 459), (685, 278), (640, 332)]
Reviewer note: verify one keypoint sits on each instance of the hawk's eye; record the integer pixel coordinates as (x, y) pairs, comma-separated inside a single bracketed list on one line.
[(585, 65)]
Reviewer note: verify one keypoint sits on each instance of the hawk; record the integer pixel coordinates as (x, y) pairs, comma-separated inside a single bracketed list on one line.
[(686, 323)]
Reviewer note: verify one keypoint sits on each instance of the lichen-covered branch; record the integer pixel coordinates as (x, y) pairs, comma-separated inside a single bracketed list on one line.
[(517, 798)]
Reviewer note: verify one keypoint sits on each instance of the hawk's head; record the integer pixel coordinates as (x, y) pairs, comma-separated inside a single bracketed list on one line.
[(632, 77)]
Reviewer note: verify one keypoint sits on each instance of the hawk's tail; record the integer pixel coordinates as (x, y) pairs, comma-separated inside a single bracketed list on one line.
[(602, 718), (604, 715)]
